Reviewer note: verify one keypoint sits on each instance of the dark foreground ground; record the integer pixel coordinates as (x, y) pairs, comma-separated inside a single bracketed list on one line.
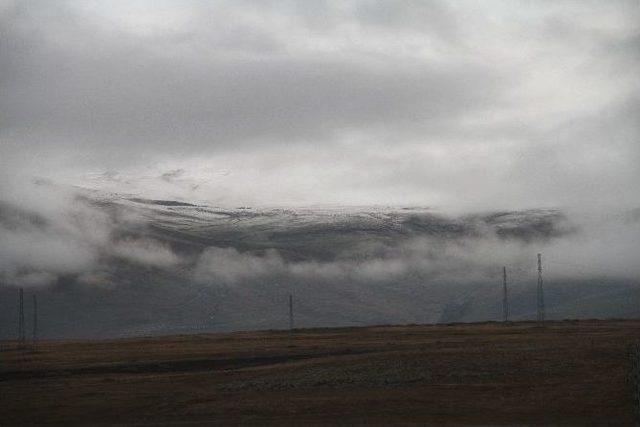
[(572, 372)]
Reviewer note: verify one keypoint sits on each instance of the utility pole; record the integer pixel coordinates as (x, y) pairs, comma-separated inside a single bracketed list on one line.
[(21, 332), (505, 295), (19, 319), (35, 319), (290, 312), (540, 293)]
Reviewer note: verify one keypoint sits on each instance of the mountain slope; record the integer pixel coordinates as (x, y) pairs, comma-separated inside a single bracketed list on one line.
[(131, 266)]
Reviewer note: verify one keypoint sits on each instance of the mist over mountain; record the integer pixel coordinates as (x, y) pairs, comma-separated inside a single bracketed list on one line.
[(112, 265), (380, 160)]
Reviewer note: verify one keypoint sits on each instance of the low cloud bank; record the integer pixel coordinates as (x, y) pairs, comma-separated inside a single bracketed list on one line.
[(146, 252), (50, 232), (600, 249)]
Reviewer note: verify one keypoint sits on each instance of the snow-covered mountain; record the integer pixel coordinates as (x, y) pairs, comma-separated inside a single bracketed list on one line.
[(118, 265)]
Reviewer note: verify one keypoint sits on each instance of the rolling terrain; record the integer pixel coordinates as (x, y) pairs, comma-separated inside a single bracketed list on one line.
[(569, 373)]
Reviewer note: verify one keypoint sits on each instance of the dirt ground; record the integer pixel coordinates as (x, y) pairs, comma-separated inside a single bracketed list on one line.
[(572, 372)]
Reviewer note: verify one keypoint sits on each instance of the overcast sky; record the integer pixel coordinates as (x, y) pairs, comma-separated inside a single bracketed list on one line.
[(461, 104)]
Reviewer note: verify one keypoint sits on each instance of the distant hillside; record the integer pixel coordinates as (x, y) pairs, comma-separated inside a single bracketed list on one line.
[(129, 266)]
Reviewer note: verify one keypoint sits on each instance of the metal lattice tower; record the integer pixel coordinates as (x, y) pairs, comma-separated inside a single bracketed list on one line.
[(21, 331), (35, 319), (505, 295), (540, 293), (290, 312)]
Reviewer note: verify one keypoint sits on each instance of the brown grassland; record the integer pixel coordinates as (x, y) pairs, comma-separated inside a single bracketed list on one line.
[(571, 372)]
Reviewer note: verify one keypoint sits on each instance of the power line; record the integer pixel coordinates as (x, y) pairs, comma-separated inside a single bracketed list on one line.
[(290, 312), (540, 293), (35, 319), (505, 297), (21, 331)]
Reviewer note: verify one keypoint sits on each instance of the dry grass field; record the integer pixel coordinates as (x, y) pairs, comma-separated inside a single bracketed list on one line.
[(572, 372)]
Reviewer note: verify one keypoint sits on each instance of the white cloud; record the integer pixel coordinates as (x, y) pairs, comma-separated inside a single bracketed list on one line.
[(459, 104), (145, 251)]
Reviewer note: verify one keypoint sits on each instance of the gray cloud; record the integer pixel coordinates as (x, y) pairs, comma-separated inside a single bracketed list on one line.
[(603, 248), (49, 232), (146, 252), (238, 106), (455, 104)]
